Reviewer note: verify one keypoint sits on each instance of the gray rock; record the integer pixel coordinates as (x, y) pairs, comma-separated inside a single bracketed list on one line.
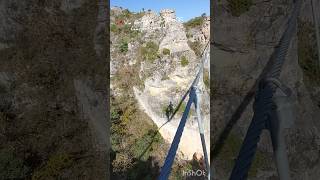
[(242, 47)]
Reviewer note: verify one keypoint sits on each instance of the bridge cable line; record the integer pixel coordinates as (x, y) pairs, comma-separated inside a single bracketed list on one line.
[(265, 115), (193, 93)]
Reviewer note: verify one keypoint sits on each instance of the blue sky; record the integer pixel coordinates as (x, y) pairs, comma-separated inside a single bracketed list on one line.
[(185, 9)]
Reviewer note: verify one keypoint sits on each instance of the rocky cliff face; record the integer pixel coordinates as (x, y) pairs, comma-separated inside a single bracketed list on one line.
[(168, 76), (242, 47), (175, 38), (169, 81), (50, 68)]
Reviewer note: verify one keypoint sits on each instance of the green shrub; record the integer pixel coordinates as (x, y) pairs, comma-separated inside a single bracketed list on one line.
[(184, 61), (126, 29), (127, 115), (166, 51), (206, 78), (238, 7), (152, 45), (114, 115), (126, 14), (195, 22), (53, 167), (162, 22), (134, 34), (139, 15), (141, 146), (114, 28), (122, 162), (150, 51), (138, 144), (165, 77), (123, 47)]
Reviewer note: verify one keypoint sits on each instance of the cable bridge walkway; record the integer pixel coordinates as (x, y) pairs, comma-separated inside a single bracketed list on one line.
[(194, 98), (266, 114)]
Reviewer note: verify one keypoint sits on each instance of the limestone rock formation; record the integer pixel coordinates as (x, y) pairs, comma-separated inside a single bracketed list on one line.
[(167, 77), (169, 15), (159, 91), (175, 39), (205, 28), (148, 23)]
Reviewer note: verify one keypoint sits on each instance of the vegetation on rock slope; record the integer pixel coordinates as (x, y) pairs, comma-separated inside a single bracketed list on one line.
[(149, 51), (196, 47), (238, 7), (194, 22), (184, 61), (136, 143), (138, 148)]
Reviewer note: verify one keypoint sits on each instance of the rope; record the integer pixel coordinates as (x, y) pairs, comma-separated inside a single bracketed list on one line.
[(264, 105), (282, 49)]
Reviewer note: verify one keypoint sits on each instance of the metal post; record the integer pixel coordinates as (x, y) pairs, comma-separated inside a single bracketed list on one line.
[(279, 147), (201, 130)]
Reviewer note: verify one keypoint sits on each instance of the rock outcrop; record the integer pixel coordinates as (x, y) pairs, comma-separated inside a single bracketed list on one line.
[(174, 39), (205, 28), (169, 81), (167, 77), (242, 47), (44, 127), (149, 22), (69, 5), (200, 34), (9, 26)]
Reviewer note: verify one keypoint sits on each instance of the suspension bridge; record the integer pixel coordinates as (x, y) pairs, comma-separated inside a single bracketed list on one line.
[(266, 107), (194, 98)]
